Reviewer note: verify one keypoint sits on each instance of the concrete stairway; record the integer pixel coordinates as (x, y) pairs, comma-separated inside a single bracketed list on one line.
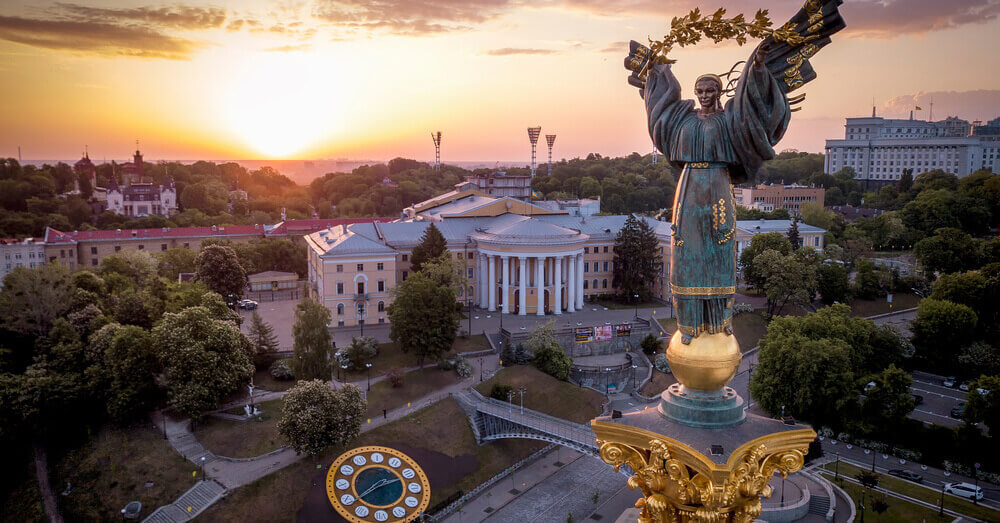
[(819, 505), (190, 504)]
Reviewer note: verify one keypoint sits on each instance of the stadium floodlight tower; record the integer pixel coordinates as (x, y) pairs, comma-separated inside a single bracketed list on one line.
[(533, 133), (550, 139), (436, 136)]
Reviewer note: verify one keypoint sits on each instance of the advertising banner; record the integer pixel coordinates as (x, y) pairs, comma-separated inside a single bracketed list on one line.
[(623, 330), (603, 333), (584, 334)]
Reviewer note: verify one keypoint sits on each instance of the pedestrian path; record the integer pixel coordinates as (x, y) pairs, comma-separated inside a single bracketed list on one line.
[(199, 497)]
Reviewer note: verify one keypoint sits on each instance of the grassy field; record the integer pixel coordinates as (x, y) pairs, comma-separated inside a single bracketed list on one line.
[(748, 328), (416, 384), (900, 301), (899, 511), (279, 496), (925, 494), (264, 381), (390, 355), (115, 468), (245, 439), (547, 394), (614, 305), (657, 384)]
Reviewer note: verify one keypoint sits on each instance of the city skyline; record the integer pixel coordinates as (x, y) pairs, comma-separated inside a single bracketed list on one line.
[(345, 79)]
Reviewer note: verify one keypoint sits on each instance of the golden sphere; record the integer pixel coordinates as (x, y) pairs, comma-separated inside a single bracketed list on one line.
[(708, 363)]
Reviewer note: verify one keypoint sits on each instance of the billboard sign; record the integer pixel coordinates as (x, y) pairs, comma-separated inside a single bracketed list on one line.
[(584, 334)]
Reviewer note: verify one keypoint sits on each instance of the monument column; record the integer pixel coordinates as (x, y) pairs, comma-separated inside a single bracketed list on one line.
[(570, 283), (522, 285), (557, 285), (505, 289), (492, 281), (540, 285)]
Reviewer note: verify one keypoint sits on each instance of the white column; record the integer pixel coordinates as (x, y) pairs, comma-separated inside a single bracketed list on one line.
[(505, 290), (571, 283), (540, 284), (557, 280), (482, 282), (492, 282), (523, 285), (579, 281)]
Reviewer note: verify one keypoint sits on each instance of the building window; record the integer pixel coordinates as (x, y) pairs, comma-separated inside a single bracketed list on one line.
[(93, 261), (604, 284), (93, 250), (605, 249), (381, 320), (340, 323), (381, 306), (62, 253), (595, 284), (605, 265), (381, 285), (471, 272), (361, 287), (406, 257), (586, 250), (340, 287), (380, 266), (340, 310), (141, 246), (404, 275), (470, 291), (163, 246), (585, 284), (340, 268), (459, 255), (361, 267)]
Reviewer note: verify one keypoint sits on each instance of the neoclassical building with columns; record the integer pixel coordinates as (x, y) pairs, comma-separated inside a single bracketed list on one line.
[(518, 257)]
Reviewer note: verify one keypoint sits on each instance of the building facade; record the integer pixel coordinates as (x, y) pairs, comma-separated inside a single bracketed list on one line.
[(771, 197), (879, 149), (20, 252), (500, 184), (518, 258)]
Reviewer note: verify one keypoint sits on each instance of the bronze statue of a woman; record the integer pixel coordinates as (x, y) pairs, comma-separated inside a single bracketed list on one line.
[(713, 147)]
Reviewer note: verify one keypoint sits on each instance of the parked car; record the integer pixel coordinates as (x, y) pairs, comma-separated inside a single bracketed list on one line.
[(917, 400), (248, 304), (966, 490), (949, 382), (964, 387), (957, 410), (906, 474)]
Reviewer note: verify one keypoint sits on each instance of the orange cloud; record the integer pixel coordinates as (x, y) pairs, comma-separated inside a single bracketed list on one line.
[(410, 17), (96, 38), (508, 51)]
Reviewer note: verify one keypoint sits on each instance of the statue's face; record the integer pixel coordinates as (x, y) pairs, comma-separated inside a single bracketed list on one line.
[(707, 91)]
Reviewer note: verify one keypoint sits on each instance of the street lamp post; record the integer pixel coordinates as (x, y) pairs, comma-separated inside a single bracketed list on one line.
[(343, 368), (521, 390), (607, 382), (836, 474), (633, 375), (510, 403), (203, 468), (975, 494), (369, 367), (636, 296)]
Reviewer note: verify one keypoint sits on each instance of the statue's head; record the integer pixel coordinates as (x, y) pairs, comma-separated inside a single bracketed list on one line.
[(708, 89)]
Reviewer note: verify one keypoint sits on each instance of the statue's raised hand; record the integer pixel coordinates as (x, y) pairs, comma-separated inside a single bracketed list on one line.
[(636, 61)]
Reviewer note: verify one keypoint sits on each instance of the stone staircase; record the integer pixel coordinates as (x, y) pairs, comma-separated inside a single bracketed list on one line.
[(190, 504), (819, 505), (189, 447)]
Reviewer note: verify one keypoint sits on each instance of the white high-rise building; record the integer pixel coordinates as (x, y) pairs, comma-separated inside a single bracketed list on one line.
[(879, 149)]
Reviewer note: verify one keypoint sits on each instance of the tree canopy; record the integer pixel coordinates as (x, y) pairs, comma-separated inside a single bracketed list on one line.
[(432, 245), (314, 417), (423, 317), (637, 262), (312, 341)]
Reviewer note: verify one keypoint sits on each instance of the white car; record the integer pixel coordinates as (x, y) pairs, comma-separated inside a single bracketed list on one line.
[(966, 490), (248, 304)]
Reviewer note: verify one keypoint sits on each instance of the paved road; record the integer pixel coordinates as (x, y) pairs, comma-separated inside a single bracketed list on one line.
[(938, 399)]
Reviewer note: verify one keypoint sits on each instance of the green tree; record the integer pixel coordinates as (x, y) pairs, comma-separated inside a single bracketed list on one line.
[(32, 299), (220, 269), (172, 262), (793, 234), (314, 417), (787, 279), (432, 245), (549, 355), (871, 281), (361, 350), (312, 341), (130, 366), (423, 317), (891, 401), (203, 359), (967, 288), (905, 182), (636, 262), (941, 329), (833, 283), (816, 215), (982, 404), (261, 335), (758, 244), (982, 357), (949, 250), (138, 266), (445, 271), (650, 344), (131, 308)]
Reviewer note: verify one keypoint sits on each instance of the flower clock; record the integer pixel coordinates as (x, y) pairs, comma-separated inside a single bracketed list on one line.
[(377, 484)]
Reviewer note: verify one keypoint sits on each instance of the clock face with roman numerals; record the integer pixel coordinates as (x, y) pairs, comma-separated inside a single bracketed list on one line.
[(377, 484)]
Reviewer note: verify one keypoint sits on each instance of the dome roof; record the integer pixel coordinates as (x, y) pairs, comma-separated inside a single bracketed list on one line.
[(529, 231)]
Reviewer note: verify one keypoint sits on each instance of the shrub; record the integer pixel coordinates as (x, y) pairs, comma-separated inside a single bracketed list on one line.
[(462, 367), (650, 344), (445, 364), (282, 370), (501, 392), (553, 361), (661, 363), (741, 307), (395, 376)]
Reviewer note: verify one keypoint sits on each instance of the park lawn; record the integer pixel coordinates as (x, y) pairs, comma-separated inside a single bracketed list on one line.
[(113, 468), (615, 305), (547, 394), (900, 301), (246, 439), (899, 511), (441, 427), (262, 380), (416, 384), (922, 493), (390, 355), (657, 384), (749, 328)]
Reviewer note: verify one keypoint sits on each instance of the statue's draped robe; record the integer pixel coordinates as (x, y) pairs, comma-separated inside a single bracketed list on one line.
[(711, 153)]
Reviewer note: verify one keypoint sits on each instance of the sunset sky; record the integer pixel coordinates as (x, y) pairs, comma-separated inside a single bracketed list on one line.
[(371, 79)]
